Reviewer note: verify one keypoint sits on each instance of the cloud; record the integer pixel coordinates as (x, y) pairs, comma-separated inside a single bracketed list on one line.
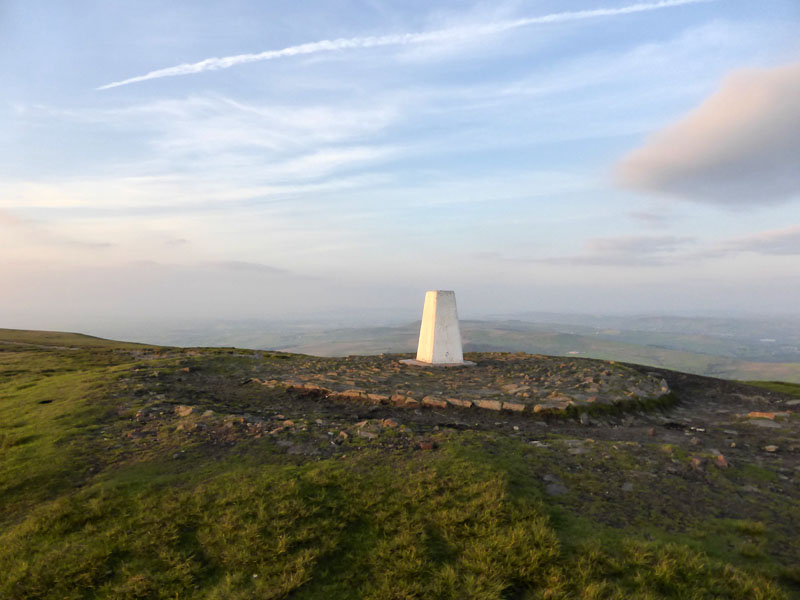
[(627, 250), (402, 39), (740, 147), (776, 242)]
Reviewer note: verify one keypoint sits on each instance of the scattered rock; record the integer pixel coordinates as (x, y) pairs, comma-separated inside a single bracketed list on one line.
[(513, 406), (555, 489), (767, 415), (771, 448), (721, 462), (183, 410)]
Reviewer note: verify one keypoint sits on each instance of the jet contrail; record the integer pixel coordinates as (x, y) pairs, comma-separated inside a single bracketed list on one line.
[(401, 39)]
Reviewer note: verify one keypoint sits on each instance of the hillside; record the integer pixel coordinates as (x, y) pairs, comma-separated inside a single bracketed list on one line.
[(146, 472)]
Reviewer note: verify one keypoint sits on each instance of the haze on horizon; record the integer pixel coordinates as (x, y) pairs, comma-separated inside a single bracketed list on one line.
[(201, 160)]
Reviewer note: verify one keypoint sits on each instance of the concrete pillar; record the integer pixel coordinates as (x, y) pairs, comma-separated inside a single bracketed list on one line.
[(439, 334)]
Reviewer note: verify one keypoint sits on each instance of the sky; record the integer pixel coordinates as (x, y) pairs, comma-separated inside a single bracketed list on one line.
[(284, 160)]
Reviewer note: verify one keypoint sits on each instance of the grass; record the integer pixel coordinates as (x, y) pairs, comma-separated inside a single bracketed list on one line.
[(62, 339), (793, 389), (82, 515)]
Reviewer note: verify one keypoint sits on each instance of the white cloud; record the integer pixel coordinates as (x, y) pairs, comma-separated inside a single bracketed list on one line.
[(740, 147), (403, 39)]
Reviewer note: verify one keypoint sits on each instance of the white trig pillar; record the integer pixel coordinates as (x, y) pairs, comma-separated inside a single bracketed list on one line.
[(439, 334)]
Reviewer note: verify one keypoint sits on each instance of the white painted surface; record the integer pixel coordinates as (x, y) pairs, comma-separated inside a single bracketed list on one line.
[(439, 334)]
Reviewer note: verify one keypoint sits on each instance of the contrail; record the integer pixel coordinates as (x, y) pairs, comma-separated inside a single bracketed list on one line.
[(402, 39)]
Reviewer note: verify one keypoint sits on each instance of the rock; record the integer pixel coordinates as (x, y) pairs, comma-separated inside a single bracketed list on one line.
[(378, 398), (765, 423), (767, 415), (696, 462), (555, 489), (627, 486), (434, 401), (343, 435), (459, 402), (511, 388), (183, 410), (391, 423), (488, 404), (721, 462), (793, 403), (288, 423), (366, 434), (513, 406), (771, 448), (208, 413), (426, 445), (651, 432), (695, 442), (584, 419)]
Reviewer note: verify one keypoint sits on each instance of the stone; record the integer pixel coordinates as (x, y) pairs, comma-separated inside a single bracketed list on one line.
[(771, 448), (489, 404), (366, 434), (459, 402), (765, 423), (627, 486), (721, 462), (767, 415), (555, 489), (513, 406), (426, 445), (183, 411), (434, 401)]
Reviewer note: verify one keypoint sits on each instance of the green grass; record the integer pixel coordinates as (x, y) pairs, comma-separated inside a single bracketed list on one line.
[(59, 338), (82, 516), (793, 389)]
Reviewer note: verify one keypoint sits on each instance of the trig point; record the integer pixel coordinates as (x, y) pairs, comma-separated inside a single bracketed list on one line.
[(439, 335)]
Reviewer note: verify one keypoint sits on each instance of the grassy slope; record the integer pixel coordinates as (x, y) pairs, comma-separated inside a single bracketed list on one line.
[(81, 517), (62, 339)]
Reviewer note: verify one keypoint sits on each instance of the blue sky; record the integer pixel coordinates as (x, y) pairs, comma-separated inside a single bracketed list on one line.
[(602, 156)]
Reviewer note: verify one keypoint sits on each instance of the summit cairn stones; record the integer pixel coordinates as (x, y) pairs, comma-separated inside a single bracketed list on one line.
[(439, 335)]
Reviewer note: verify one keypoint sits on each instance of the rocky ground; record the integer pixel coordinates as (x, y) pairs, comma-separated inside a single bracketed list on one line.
[(710, 448), (611, 452)]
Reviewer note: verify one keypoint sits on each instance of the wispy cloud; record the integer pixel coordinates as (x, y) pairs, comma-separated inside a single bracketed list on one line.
[(775, 242), (401, 39)]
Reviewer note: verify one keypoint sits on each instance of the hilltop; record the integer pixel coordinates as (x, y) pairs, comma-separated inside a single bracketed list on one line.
[(138, 471)]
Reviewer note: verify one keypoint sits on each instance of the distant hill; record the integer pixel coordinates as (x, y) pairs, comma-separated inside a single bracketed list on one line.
[(61, 339), (700, 354)]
